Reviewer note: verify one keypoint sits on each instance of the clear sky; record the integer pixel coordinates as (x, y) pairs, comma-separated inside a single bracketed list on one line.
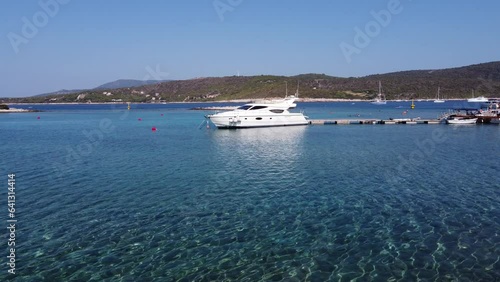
[(47, 45)]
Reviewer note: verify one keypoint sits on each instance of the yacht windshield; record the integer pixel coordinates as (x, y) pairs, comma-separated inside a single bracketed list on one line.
[(244, 107), (258, 107)]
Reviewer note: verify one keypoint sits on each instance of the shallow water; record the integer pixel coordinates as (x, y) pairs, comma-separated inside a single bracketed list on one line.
[(101, 196)]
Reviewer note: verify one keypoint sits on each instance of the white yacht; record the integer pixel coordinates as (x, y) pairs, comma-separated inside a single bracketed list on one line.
[(264, 114), (380, 99), (480, 99)]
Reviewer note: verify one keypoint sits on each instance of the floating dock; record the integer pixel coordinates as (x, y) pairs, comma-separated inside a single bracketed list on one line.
[(372, 121)]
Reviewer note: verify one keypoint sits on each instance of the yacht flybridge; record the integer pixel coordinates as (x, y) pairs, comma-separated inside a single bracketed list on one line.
[(263, 114)]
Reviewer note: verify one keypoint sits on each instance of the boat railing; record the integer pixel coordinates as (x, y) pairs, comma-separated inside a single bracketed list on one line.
[(275, 101), (446, 115)]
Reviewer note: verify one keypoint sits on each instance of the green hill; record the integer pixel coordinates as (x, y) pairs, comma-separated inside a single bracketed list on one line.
[(484, 79)]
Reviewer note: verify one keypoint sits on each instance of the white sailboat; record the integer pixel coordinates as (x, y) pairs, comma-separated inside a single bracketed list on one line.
[(438, 100), (380, 99)]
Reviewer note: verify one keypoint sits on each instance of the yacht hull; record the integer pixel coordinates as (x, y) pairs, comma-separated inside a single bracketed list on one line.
[(233, 121), (462, 121), (478, 100)]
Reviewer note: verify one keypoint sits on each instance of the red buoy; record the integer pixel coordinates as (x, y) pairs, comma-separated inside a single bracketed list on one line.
[(37, 117), (139, 119), (161, 114), (153, 128)]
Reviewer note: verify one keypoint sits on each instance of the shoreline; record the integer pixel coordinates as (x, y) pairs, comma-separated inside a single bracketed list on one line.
[(300, 100), (14, 110)]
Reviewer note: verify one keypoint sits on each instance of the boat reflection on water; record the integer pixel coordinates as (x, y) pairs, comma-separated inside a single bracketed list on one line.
[(259, 150)]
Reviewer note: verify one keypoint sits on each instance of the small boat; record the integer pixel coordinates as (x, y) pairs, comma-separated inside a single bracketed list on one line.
[(456, 120), (437, 98), (380, 99), (490, 115), (480, 99), (401, 119), (262, 114)]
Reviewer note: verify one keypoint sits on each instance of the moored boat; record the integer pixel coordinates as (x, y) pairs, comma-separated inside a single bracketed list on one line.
[(438, 100), (456, 120), (480, 99), (490, 115), (380, 99), (262, 114)]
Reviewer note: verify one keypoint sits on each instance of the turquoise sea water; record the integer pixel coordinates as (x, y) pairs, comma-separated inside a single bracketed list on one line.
[(100, 196)]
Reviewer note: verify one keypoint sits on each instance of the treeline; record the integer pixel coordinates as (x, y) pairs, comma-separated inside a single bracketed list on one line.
[(483, 79)]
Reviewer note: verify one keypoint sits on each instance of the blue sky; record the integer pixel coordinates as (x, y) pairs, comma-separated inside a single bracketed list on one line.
[(82, 44)]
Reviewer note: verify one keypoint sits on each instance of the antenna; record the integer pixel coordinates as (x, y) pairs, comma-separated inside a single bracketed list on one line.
[(286, 89)]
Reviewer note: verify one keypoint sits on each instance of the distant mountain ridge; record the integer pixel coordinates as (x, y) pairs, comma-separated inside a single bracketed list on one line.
[(120, 83), (483, 79), (59, 92)]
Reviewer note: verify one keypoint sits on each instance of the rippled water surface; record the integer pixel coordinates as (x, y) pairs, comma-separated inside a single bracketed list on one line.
[(100, 196)]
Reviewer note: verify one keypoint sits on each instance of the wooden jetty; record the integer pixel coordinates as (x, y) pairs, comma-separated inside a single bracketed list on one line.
[(372, 121)]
